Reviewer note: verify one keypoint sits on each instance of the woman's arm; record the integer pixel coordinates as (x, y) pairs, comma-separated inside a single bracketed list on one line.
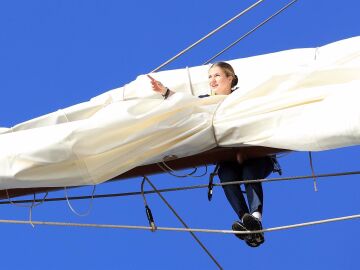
[(160, 88)]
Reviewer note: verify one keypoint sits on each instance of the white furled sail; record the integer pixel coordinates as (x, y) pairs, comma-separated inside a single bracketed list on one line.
[(301, 99)]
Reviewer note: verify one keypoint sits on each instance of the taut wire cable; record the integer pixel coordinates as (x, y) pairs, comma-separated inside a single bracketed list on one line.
[(294, 178), (182, 221), (207, 36), (111, 226), (249, 32)]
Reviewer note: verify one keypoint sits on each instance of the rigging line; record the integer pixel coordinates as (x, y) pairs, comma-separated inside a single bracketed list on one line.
[(250, 32), (312, 171), (31, 210), (183, 222), (170, 171), (166, 168), (111, 226), (89, 207), (147, 208), (207, 36), (111, 195), (283, 155), (33, 203), (188, 187), (25, 203), (288, 178)]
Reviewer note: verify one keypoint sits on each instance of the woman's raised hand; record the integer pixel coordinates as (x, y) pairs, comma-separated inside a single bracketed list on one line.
[(157, 86)]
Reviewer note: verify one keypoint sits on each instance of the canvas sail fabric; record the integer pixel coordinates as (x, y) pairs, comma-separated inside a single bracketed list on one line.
[(301, 99)]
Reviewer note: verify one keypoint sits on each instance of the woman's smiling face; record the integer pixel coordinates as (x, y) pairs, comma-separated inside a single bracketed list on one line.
[(219, 83)]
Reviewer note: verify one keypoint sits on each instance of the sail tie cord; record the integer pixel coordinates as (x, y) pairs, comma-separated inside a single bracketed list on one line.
[(171, 171), (81, 165), (212, 123), (166, 168), (88, 211), (30, 204)]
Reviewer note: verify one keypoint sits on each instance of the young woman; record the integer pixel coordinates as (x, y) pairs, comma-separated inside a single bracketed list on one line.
[(222, 81)]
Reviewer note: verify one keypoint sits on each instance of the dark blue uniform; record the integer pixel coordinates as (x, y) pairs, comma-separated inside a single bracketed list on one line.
[(257, 168)]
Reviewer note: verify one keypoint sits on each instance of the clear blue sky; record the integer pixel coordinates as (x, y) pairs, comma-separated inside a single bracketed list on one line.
[(54, 54)]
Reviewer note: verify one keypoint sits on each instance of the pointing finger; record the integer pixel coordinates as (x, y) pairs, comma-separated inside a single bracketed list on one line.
[(151, 78)]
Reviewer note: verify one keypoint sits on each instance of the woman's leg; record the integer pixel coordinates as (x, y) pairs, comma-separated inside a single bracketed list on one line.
[(256, 169), (228, 172)]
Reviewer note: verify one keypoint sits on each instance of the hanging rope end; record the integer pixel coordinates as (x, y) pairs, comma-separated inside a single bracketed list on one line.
[(150, 218), (211, 182), (315, 186), (313, 171)]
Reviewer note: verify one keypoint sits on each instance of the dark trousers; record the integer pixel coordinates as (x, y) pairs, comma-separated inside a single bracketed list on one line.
[(229, 171)]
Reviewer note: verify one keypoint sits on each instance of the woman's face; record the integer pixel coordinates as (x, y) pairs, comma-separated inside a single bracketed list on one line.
[(219, 83)]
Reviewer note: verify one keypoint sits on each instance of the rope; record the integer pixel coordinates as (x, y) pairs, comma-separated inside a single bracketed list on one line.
[(110, 226), (81, 165), (147, 208), (89, 208), (288, 178), (25, 204), (313, 171), (182, 222), (166, 168), (31, 210), (191, 187), (33, 203), (170, 171), (189, 80), (207, 36), (212, 122), (250, 32)]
